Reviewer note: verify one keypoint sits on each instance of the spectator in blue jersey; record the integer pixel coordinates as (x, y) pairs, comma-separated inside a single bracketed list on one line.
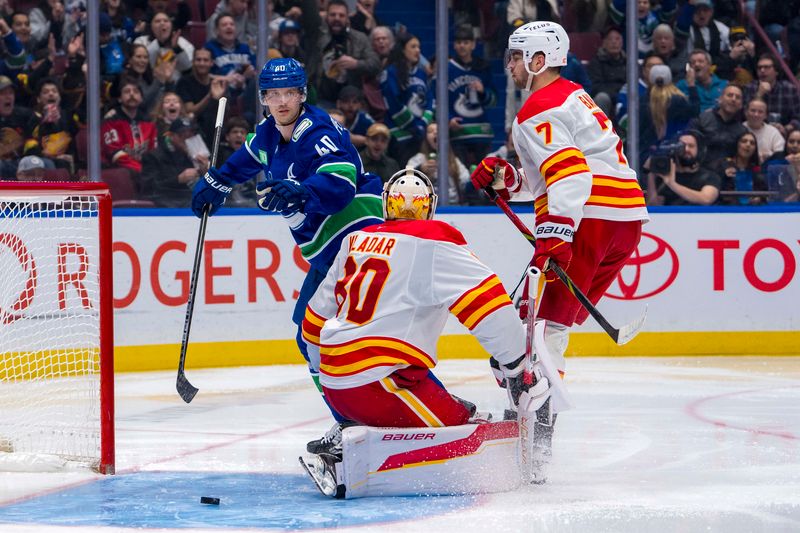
[(356, 120), (231, 58), (123, 27), (25, 61), (112, 57), (699, 78), (648, 19), (471, 92), (409, 106), (314, 179)]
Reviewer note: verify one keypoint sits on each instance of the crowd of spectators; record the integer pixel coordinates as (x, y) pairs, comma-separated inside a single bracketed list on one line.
[(714, 100)]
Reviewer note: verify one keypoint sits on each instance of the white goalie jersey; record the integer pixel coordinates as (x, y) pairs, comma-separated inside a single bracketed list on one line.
[(387, 297), (572, 158)]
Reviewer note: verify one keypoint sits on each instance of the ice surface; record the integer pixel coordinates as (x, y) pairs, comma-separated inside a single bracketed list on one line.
[(654, 444)]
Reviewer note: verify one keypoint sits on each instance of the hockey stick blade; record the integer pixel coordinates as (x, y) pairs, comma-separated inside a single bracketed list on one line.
[(630, 330), (186, 390)]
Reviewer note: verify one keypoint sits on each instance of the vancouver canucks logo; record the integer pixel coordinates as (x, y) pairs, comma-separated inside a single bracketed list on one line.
[(301, 128), (290, 172), (465, 109)]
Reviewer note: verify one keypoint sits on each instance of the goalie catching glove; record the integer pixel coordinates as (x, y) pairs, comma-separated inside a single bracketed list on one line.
[(553, 243), (282, 196), (498, 173)]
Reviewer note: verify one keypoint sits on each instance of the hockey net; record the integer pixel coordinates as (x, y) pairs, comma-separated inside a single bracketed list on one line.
[(56, 327)]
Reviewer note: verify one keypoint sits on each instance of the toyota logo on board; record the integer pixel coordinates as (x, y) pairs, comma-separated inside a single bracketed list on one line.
[(652, 268)]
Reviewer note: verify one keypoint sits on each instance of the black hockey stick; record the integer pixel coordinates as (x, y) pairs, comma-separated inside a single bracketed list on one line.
[(186, 389), (621, 335)]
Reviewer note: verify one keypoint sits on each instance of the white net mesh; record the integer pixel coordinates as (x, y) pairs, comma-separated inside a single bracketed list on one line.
[(49, 327)]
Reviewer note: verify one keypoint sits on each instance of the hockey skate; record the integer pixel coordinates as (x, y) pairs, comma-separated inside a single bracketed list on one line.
[(331, 442), (322, 470)]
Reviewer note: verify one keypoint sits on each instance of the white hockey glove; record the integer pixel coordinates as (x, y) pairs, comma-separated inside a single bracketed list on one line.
[(511, 377)]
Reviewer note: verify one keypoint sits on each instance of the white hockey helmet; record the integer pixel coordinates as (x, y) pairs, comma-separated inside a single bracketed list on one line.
[(546, 37), (409, 195)]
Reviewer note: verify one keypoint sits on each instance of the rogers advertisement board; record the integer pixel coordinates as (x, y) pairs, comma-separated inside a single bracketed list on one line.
[(695, 272)]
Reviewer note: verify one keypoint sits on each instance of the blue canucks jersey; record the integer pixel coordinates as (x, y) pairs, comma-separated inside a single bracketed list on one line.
[(342, 197)]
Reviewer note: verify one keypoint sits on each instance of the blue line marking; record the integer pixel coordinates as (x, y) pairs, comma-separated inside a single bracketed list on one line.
[(247, 500)]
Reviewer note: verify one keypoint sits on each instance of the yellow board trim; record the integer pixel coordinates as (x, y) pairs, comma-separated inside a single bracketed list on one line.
[(285, 352)]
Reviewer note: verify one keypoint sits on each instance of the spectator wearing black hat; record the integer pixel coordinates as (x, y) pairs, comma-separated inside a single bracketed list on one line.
[(471, 92), (289, 41), (169, 172), (356, 120), (739, 65), (697, 27), (16, 128), (374, 156), (608, 71)]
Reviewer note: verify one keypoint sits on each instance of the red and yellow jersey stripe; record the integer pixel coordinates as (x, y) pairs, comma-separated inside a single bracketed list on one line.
[(477, 303), (365, 353), (608, 191), (563, 164), (312, 326)]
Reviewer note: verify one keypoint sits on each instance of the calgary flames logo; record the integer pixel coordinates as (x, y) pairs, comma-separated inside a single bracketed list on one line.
[(652, 268)]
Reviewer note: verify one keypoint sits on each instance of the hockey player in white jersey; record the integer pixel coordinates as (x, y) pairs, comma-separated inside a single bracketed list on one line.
[(588, 203), (372, 329), (373, 325)]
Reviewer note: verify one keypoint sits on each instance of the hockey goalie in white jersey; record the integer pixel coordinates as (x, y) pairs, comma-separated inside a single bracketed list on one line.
[(372, 329)]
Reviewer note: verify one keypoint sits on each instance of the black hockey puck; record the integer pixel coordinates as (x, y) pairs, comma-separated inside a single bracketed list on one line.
[(209, 500)]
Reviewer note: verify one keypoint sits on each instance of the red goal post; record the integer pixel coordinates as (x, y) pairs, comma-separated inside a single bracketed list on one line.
[(56, 325)]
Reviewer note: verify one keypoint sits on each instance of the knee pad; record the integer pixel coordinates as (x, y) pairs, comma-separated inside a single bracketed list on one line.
[(556, 338)]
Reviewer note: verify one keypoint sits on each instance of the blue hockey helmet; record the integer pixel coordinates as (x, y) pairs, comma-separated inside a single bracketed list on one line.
[(281, 73)]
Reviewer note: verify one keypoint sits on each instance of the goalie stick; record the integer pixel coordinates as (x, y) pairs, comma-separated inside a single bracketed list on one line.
[(619, 335), (186, 390)]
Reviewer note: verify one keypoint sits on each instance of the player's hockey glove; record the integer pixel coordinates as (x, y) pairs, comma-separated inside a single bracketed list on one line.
[(553, 243), (511, 377), (504, 180), (282, 196), (211, 189)]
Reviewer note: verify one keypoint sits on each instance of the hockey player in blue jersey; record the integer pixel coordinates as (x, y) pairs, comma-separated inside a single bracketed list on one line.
[(315, 178)]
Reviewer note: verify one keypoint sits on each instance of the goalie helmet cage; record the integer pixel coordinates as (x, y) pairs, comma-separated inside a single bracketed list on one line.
[(56, 325)]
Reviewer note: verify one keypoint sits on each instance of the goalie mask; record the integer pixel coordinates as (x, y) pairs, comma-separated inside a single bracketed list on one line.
[(409, 195)]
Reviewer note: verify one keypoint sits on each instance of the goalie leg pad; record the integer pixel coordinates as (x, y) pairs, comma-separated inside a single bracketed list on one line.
[(465, 459)]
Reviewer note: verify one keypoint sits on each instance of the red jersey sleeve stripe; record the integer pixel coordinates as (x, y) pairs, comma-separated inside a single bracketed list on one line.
[(484, 303), (312, 326), (465, 299)]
